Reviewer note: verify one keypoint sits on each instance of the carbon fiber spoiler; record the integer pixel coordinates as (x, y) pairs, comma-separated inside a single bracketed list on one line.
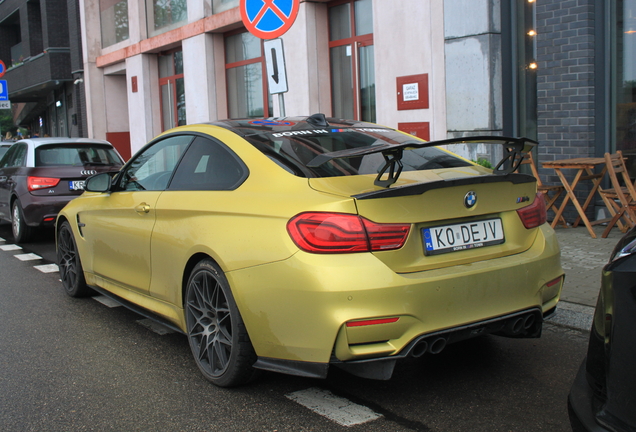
[(514, 150)]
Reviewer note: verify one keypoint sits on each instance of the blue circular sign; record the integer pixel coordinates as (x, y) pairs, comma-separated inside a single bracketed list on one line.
[(268, 19)]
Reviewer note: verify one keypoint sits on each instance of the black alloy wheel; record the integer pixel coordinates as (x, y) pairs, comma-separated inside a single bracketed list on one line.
[(68, 261), (216, 332), (21, 231)]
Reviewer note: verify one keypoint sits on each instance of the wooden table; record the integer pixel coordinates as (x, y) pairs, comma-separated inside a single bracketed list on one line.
[(583, 166)]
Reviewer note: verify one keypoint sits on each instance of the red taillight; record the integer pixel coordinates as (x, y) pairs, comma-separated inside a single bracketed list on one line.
[(535, 214), (554, 282), (344, 233), (35, 183), (372, 322)]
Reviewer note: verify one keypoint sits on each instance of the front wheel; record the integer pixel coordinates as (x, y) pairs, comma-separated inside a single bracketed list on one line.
[(68, 261), (21, 231), (216, 332)]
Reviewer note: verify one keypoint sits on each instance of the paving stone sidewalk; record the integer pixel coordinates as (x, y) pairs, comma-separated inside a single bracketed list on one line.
[(583, 258)]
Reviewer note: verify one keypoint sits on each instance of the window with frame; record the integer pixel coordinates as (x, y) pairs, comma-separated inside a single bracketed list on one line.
[(247, 92), (113, 16), (352, 59), (164, 15), (219, 6), (171, 85)]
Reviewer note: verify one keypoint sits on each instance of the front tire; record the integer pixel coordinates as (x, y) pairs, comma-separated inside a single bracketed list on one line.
[(216, 332), (21, 231), (68, 261)]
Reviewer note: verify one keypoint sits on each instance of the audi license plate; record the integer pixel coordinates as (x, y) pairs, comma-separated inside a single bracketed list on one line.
[(76, 184), (462, 236)]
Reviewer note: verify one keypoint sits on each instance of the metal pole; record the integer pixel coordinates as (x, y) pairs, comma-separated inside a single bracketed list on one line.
[(281, 105)]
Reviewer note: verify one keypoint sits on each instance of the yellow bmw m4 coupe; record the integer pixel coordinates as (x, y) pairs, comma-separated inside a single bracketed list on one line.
[(297, 244)]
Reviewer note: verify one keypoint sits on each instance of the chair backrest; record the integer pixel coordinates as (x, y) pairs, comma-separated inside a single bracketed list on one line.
[(528, 159), (619, 176)]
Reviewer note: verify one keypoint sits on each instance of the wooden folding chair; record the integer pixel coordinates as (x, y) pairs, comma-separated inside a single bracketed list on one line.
[(550, 193), (620, 199)]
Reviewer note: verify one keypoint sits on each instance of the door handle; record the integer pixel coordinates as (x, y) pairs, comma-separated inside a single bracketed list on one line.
[(142, 208)]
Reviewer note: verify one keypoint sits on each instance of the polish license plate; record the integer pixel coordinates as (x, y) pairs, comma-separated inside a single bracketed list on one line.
[(462, 236), (76, 184)]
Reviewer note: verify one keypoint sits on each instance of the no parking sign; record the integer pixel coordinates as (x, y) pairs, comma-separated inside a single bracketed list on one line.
[(268, 19)]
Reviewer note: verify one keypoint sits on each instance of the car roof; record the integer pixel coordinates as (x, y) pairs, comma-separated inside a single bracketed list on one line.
[(36, 142), (250, 126)]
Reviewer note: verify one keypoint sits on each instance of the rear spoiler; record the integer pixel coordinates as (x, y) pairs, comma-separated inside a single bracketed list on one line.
[(514, 151)]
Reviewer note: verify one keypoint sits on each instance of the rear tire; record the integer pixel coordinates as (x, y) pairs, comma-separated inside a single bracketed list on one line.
[(216, 332), (21, 231), (68, 261)]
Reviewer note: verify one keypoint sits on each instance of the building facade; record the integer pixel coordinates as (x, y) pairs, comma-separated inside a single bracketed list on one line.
[(41, 50), (560, 71)]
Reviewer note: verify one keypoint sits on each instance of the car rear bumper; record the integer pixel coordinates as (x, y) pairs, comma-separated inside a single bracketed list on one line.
[(42, 210), (360, 287)]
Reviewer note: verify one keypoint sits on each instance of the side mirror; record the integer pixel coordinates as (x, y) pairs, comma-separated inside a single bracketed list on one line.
[(98, 183)]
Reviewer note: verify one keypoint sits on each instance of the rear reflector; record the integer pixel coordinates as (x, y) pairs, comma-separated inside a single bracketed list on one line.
[(535, 214), (35, 183), (554, 282), (372, 322), (319, 232)]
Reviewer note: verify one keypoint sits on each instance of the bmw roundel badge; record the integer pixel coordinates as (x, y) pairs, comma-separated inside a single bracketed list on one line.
[(470, 199)]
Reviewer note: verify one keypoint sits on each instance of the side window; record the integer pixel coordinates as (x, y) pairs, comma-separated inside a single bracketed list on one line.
[(208, 165), (8, 158), (15, 156), (152, 169)]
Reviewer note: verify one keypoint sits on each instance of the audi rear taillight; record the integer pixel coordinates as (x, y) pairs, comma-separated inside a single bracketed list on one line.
[(535, 214), (36, 183), (344, 233)]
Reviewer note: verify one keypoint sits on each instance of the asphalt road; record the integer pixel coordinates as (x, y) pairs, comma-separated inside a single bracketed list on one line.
[(79, 365)]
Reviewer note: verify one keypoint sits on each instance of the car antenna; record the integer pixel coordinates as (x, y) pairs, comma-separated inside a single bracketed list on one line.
[(318, 120)]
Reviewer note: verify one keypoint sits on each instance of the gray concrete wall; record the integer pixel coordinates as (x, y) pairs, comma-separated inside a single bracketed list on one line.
[(472, 33)]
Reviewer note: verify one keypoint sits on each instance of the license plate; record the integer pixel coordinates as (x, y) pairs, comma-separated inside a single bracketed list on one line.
[(462, 236), (76, 185)]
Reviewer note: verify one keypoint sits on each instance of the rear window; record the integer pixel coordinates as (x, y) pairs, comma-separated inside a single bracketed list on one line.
[(76, 155), (294, 149)]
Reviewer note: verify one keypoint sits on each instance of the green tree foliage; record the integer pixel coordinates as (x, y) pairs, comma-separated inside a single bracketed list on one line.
[(6, 122)]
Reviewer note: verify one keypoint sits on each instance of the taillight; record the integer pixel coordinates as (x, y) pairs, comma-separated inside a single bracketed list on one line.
[(375, 321), (35, 183), (535, 214), (344, 233)]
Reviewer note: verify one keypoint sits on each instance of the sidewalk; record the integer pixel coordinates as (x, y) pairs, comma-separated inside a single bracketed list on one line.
[(583, 259)]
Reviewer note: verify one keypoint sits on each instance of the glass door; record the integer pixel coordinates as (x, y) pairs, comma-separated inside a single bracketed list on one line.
[(352, 59), (624, 80)]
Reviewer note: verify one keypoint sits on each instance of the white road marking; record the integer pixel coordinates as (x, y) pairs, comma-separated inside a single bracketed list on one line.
[(47, 268), (107, 301), (28, 257), (337, 409), (10, 247)]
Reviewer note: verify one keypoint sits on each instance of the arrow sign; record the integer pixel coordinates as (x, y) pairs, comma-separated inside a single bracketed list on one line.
[(275, 62), (275, 65)]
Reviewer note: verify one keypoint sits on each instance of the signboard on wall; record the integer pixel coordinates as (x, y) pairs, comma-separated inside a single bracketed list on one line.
[(419, 129), (412, 92)]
